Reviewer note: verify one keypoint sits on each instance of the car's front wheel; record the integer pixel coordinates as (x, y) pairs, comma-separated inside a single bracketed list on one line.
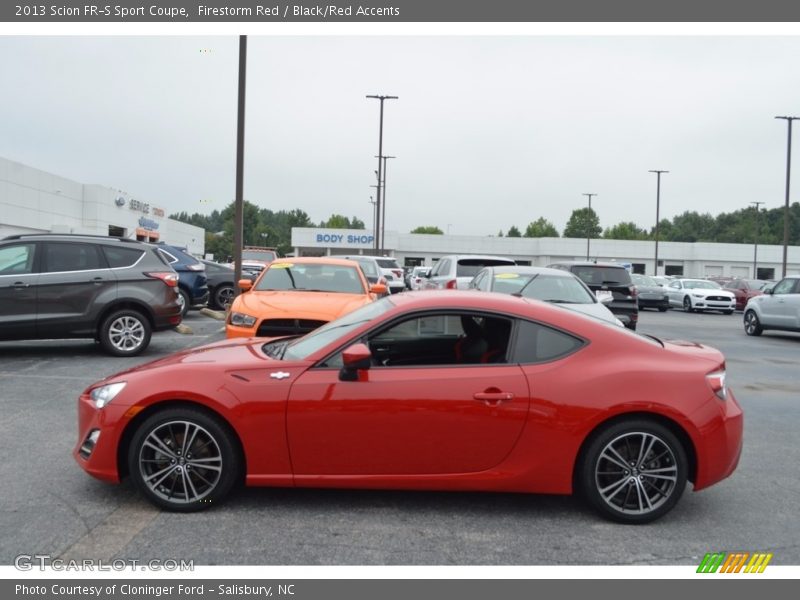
[(223, 296), (633, 471), (125, 332), (183, 459), (687, 304), (752, 326), (183, 300)]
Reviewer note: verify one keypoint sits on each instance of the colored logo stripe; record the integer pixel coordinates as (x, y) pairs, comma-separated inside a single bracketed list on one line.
[(734, 562)]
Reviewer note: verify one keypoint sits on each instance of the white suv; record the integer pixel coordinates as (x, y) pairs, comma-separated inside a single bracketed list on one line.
[(455, 271), (391, 271)]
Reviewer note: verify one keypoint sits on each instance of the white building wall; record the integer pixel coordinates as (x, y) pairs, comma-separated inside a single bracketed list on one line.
[(35, 201)]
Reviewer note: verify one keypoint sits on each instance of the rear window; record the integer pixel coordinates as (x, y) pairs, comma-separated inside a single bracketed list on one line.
[(122, 257), (263, 255), (595, 275), (388, 263), (469, 267)]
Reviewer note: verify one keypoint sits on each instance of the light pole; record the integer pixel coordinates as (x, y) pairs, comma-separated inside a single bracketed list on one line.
[(658, 210), (588, 227), (383, 213), (755, 241), (374, 216), (788, 177), (238, 210), (378, 206)]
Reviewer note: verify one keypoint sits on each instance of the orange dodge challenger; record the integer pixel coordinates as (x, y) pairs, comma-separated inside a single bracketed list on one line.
[(297, 295)]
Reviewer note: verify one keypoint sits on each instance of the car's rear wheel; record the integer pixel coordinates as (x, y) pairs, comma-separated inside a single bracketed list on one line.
[(662, 309), (633, 471), (223, 296), (125, 332), (687, 304), (183, 459), (752, 326), (728, 312)]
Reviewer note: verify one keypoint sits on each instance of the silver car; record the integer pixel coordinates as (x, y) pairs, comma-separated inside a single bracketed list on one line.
[(778, 308), (550, 285), (455, 271)]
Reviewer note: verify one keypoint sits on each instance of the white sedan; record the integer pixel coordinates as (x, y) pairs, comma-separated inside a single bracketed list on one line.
[(699, 295)]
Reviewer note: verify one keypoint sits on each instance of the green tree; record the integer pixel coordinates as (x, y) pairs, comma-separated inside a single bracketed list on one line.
[(341, 222), (541, 227), (627, 230), (428, 229), (583, 223), (513, 232)]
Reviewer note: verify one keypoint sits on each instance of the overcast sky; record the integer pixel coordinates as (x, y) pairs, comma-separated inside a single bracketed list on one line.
[(488, 132)]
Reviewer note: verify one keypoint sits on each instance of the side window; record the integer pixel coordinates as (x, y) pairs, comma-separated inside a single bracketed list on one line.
[(70, 256), (442, 339), (121, 257), (444, 267), (538, 343), (479, 281), (17, 259), (169, 257), (784, 287)]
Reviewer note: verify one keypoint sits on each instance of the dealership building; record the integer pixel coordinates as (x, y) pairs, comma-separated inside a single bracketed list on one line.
[(674, 258), (35, 201)]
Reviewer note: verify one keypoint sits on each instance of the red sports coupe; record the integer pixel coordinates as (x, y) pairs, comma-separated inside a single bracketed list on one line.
[(427, 391)]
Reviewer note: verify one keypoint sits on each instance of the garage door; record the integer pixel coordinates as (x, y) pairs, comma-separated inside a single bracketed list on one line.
[(740, 271), (713, 271)]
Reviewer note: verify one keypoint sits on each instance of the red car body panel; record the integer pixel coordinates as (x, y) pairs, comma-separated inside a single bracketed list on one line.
[(424, 427)]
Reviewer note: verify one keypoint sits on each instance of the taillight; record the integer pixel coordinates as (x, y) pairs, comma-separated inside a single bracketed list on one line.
[(716, 381), (451, 285), (171, 279), (634, 291)]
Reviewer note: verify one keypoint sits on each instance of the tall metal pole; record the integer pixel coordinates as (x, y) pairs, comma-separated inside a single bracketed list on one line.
[(238, 210), (374, 216), (383, 215), (788, 178), (755, 241), (588, 230), (379, 200), (658, 211)]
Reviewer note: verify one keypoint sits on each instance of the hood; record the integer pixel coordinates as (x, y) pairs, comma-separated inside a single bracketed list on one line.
[(319, 306), (707, 292)]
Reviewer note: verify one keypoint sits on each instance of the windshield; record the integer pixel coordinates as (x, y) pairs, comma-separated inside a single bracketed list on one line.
[(305, 346), (644, 280), (550, 288), (594, 275), (367, 265), (316, 277), (469, 267), (701, 285), (264, 255), (388, 263)]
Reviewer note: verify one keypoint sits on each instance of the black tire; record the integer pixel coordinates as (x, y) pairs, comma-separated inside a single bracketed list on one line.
[(184, 300), (631, 496), (728, 312), (752, 325), (662, 309), (164, 469), (631, 326), (223, 296), (125, 332), (687, 304)]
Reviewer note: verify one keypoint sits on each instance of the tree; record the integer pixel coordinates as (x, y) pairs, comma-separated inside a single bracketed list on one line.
[(627, 230), (583, 223), (541, 227), (341, 222), (513, 232), (428, 229)]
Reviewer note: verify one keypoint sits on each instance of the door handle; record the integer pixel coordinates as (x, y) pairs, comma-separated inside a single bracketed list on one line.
[(20, 285), (98, 280), (493, 398)]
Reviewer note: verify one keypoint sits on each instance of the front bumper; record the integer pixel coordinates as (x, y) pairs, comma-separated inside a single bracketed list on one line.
[(99, 458)]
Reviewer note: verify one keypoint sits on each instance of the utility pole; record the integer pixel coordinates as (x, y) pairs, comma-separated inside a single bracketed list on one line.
[(658, 210), (238, 210), (588, 229), (383, 214), (788, 178), (755, 241), (378, 199)]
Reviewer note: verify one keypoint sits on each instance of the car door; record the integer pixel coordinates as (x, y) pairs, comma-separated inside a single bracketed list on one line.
[(18, 287), (675, 293), (74, 285), (415, 411), (782, 309)]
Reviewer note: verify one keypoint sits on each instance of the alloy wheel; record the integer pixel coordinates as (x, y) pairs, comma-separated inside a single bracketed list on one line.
[(126, 333)]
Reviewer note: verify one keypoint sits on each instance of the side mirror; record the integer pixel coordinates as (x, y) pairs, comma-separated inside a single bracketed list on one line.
[(769, 291), (378, 288), (245, 284), (355, 358)]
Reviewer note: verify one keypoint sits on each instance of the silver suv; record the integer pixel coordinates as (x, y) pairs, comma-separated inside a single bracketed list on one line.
[(455, 271), (778, 308), (390, 270)]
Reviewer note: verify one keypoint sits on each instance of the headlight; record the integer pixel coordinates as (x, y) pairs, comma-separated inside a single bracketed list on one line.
[(242, 320), (106, 393), (698, 295)]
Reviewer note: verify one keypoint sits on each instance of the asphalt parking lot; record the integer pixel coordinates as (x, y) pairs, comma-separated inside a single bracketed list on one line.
[(50, 506)]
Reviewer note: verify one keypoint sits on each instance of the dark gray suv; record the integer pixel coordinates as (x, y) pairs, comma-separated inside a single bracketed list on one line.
[(113, 290)]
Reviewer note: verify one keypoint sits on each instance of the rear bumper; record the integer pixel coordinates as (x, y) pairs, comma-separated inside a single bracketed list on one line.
[(718, 454)]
